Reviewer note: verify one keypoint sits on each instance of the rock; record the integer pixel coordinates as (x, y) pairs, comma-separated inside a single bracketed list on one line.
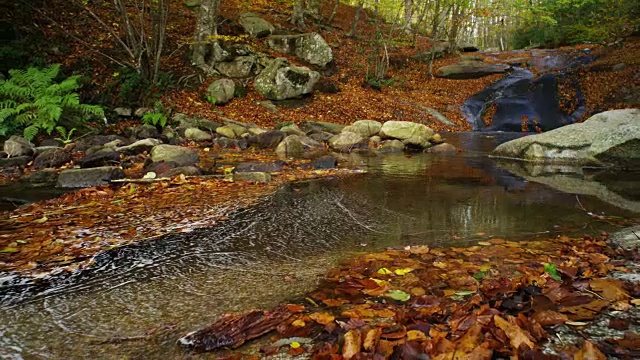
[(183, 170), (310, 144), (160, 168), (18, 146), (138, 147), (52, 158), (608, 138), (319, 126), (267, 140), (619, 67), (254, 131), (310, 47), (221, 91), (364, 128), (436, 139), (14, 161), (346, 141), (103, 157), (467, 47), (416, 143), (327, 86), (238, 123), (627, 238), (123, 112), (239, 67), (258, 177), (42, 177), (197, 134), (145, 131), (76, 178), (290, 146), (389, 146), (171, 153), (443, 148), (40, 149), (98, 141), (324, 163), (292, 129), (259, 167), (192, 122), (51, 142), (255, 25), (374, 141), (322, 136), (267, 104), (231, 131), (140, 112), (280, 80), (471, 70), (403, 130)]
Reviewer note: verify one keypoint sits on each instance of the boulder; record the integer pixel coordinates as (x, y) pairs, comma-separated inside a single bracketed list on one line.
[(389, 146), (52, 158), (221, 91), (436, 139), (267, 140), (364, 128), (290, 146), (311, 47), (183, 170), (98, 141), (18, 146), (160, 168), (123, 111), (254, 131), (467, 47), (15, 161), (197, 134), (239, 67), (627, 238), (324, 163), (444, 148), (103, 157), (280, 80), (416, 143), (292, 129), (322, 136), (608, 138), (44, 176), (140, 112), (346, 141), (310, 144), (227, 143), (76, 178), (171, 153), (259, 167), (255, 25), (471, 70), (51, 142), (138, 147), (194, 122), (403, 130), (320, 126), (258, 177), (231, 131), (145, 131)]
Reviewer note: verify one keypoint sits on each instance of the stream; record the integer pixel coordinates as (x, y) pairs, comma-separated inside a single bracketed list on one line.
[(141, 298)]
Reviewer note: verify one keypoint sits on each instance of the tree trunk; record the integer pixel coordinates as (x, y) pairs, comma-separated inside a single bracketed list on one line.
[(206, 31), (313, 9), (333, 12), (408, 15), (356, 18), (297, 15)]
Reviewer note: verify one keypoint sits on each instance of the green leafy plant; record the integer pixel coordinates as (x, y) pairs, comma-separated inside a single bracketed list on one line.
[(158, 117), (33, 100), (65, 137)]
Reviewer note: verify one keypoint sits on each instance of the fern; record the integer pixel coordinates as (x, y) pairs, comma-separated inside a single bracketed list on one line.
[(32, 99)]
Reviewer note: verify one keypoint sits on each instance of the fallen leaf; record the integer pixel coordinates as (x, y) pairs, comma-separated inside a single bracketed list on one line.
[(517, 336), (398, 295), (589, 352), (416, 335), (352, 344), (402, 272), (611, 289), (371, 339), (322, 318)]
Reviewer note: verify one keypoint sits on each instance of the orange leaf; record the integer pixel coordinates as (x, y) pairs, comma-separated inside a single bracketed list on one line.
[(322, 318), (589, 352), (352, 344), (516, 335)]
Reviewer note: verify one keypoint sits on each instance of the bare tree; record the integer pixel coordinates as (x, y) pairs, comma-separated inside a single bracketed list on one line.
[(297, 15), (333, 12), (356, 18), (204, 41), (408, 15)]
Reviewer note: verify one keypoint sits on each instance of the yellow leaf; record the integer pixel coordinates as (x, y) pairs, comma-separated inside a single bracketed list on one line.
[(41, 220), (416, 335), (298, 323), (484, 243), (384, 271), (295, 345), (440, 264), (404, 271)]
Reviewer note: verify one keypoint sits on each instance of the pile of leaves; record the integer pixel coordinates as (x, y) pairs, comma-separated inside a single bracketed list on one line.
[(66, 232), (498, 299)]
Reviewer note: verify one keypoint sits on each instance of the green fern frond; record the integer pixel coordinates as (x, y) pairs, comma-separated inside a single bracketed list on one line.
[(30, 132)]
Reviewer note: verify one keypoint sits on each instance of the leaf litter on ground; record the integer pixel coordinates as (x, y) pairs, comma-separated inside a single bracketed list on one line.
[(371, 307)]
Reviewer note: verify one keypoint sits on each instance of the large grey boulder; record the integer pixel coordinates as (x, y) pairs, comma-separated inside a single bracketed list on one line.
[(197, 134), (281, 80), (172, 153), (608, 138), (346, 141), (364, 128), (471, 70), (255, 25), (76, 178), (290, 146), (221, 91), (310, 47), (239, 67), (18, 146), (403, 130)]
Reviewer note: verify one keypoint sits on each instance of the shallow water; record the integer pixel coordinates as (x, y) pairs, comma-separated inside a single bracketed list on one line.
[(142, 298)]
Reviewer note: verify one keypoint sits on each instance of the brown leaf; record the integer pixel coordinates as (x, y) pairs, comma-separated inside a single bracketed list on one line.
[(372, 338), (550, 317), (585, 311), (516, 335), (322, 318), (352, 344), (611, 289), (589, 352)]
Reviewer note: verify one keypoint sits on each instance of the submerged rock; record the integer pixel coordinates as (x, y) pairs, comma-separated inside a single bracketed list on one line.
[(76, 178), (608, 138), (347, 141), (252, 176), (290, 146), (324, 163)]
